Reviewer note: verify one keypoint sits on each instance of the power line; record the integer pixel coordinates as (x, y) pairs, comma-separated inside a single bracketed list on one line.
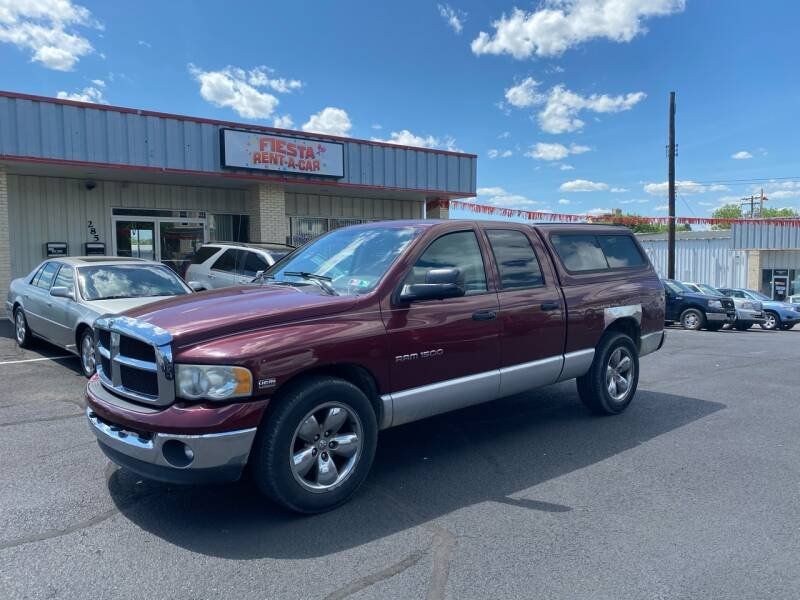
[(794, 179)]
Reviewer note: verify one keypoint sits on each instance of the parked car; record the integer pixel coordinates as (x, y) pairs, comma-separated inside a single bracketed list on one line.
[(363, 328), (60, 300), (748, 312), (225, 264), (696, 311), (777, 315)]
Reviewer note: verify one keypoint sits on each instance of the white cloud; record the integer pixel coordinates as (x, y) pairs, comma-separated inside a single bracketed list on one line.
[(377, 126), (781, 190), (619, 190), (498, 196), (564, 201), (238, 89), (330, 120), (504, 136), (145, 44), (741, 155), (48, 30), (454, 18), (546, 151), (495, 153), (583, 185), (283, 122), (598, 212), (524, 94), (407, 138), (563, 107), (662, 207), (683, 187), (92, 93), (566, 167), (562, 24)]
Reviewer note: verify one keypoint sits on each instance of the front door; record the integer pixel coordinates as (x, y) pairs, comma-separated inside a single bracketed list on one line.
[(168, 240), (444, 353), (780, 288), (532, 321), (136, 239)]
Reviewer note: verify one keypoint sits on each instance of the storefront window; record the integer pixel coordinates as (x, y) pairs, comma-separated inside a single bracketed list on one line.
[(229, 228), (304, 229)]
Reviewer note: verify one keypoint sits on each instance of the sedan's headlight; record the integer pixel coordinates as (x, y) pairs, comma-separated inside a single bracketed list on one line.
[(212, 382), (748, 305), (714, 304)]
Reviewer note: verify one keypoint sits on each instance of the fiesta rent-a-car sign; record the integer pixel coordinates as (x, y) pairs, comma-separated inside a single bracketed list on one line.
[(268, 152)]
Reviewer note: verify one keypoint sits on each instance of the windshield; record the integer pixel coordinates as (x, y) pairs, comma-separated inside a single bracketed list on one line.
[(708, 290), (128, 281), (758, 295), (677, 287), (351, 260)]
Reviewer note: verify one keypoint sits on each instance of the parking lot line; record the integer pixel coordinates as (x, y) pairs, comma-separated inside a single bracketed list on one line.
[(27, 360)]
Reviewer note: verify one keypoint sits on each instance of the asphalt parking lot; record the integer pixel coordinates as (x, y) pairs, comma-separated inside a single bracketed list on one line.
[(692, 493)]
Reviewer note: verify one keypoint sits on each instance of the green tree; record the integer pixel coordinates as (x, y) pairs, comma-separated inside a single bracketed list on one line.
[(641, 227), (734, 211)]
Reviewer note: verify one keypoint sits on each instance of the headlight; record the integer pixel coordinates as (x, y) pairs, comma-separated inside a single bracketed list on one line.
[(748, 305), (212, 382), (714, 304)]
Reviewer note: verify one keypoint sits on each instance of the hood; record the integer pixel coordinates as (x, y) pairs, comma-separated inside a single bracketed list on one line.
[(204, 315), (120, 305), (698, 296)]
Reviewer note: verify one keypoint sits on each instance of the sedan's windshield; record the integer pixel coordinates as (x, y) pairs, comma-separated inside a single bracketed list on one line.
[(106, 282), (757, 295), (345, 261)]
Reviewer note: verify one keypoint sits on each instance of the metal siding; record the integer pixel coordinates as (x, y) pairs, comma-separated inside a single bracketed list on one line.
[(314, 205), (711, 261), (765, 236), (780, 259)]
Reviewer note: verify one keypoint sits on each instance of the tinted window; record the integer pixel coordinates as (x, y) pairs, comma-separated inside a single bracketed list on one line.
[(203, 254), (579, 252), (227, 262), (453, 251), (253, 263), (65, 279), (515, 258), (46, 277), (621, 251), (128, 281)]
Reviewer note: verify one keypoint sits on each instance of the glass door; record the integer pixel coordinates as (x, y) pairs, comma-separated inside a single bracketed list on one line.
[(135, 238), (178, 242)]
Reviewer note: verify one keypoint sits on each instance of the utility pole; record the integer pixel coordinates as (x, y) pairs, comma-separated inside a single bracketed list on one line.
[(671, 223)]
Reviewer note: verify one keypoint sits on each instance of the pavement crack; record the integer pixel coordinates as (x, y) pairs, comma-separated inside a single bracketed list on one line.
[(41, 420), (370, 580)]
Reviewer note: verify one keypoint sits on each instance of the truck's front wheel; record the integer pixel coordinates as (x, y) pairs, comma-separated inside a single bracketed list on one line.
[(316, 447), (609, 386)]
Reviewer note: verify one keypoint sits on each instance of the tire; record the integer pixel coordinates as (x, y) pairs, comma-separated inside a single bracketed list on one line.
[(594, 388), (772, 322), (22, 333), (281, 436), (693, 319), (86, 353), (714, 326), (743, 326), (786, 327)]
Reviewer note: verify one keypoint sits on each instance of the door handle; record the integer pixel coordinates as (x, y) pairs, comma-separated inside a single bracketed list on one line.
[(549, 306), (210, 276), (484, 315)]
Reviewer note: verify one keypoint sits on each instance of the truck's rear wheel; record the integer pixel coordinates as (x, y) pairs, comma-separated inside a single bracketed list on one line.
[(610, 384), (315, 449)]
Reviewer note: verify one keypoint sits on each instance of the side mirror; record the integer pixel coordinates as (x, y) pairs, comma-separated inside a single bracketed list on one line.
[(196, 286), (439, 284), (259, 275), (62, 292)]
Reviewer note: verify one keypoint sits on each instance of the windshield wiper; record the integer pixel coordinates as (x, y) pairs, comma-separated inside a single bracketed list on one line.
[(323, 281)]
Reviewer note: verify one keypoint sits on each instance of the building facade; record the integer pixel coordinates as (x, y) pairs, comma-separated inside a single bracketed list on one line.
[(79, 178)]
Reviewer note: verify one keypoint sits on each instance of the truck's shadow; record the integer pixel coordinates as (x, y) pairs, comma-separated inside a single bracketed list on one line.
[(422, 470)]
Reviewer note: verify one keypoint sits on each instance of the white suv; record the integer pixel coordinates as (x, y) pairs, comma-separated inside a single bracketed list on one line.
[(223, 264)]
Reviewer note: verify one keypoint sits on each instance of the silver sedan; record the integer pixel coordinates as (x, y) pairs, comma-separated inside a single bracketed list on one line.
[(60, 299)]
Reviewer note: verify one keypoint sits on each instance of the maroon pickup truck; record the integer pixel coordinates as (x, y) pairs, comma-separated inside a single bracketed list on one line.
[(364, 328)]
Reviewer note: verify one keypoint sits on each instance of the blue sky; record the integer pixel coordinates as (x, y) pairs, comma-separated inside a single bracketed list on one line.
[(564, 101)]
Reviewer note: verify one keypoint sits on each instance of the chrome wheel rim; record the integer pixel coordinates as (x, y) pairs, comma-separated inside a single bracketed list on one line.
[(620, 372), (769, 321), (690, 321), (87, 355), (326, 447), (21, 329)]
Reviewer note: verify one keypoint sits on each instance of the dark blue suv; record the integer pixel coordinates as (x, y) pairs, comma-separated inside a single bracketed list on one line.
[(695, 311)]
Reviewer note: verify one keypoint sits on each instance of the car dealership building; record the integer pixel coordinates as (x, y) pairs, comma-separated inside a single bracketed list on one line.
[(78, 178)]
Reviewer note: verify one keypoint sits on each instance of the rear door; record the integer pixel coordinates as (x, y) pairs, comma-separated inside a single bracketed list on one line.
[(445, 353), (531, 316), (38, 298)]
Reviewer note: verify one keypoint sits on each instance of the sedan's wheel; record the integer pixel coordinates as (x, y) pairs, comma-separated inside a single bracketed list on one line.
[(692, 319), (21, 332), (610, 384), (316, 447), (771, 321), (787, 327), (88, 360)]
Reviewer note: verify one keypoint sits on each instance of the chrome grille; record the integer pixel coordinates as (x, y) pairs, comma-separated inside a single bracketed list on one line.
[(135, 360), (727, 304)]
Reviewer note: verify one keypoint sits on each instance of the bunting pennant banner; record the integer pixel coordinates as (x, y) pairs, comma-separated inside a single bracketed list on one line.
[(532, 215)]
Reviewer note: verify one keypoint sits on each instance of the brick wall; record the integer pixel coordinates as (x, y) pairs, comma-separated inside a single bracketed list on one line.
[(5, 245), (267, 211)]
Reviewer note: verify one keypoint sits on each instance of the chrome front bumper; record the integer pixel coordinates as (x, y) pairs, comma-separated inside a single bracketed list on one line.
[(720, 317), (175, 458)]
